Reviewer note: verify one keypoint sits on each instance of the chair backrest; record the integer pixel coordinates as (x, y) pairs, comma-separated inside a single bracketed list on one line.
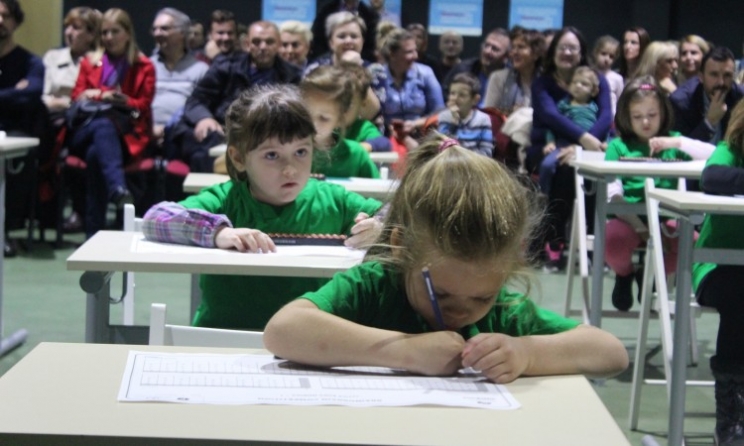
[(131, 224), (183, 335)]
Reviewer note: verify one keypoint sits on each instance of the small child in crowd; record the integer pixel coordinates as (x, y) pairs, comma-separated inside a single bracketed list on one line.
[(269, 136), (333, 97), (604, 55), (462, 120), (431, 298), (363, 130), (580, 108), (643, 122)]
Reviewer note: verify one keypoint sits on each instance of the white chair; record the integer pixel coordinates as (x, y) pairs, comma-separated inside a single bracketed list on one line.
[(131, 224), (183, 335), (665, 310), (580, 243)]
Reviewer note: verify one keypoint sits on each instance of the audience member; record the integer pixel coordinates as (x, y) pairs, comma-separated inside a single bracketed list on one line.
[(450, 49), (223, 36), (360, 9), (703, 104), (635, 41), (21, 86), (422, 44), (385, 15), (493, 56), (462, 121), (204, 114), (510, 88), (295, 38), (123, 77), (603, 56), (692, 48), (196, 38), (660, 60)]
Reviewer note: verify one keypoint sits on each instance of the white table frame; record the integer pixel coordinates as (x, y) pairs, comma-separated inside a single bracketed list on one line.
[(66, 394), (10, 147), (605, 172), (108, 252), (690, 208)]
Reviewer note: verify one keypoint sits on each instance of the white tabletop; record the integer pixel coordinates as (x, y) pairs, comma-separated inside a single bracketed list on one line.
[(366, 187), (377, 157), (684, 169), (115, 251), (62, 390), (15, 146), (698, 201)]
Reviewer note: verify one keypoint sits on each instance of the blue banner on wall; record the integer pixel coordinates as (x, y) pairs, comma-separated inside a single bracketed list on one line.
[(278, 11), (462, 16), (536, 14), (392, 8)]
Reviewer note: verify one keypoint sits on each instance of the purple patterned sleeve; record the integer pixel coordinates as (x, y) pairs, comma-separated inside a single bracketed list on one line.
[(172, 223)]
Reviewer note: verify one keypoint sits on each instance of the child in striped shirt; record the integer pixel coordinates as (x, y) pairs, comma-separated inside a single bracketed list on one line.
[(462, 121)]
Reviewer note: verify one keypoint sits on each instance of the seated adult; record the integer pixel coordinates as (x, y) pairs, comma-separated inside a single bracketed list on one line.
[(703, 104), (196, 36), (494, 54), (120, 75), (223, 36), (21, 110), (692, 48), (296, 39), (567, 51), (61, 68), (204, 113), (412, 92), (422, 44), (320, 45), (510, 88), (450, 49), (635, 41), (660, 61), (177, 71)]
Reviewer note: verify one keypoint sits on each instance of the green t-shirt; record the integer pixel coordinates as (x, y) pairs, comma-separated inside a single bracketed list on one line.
[(373, 295), (633, 187), (719, 231), (247, 302), (346, 159), (361, 130)]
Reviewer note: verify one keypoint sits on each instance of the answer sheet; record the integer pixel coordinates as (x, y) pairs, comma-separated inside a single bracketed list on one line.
[(263, 379)]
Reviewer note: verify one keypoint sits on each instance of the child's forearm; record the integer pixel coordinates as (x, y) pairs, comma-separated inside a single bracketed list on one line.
[(173, 223), (585, 350), (699, 150)]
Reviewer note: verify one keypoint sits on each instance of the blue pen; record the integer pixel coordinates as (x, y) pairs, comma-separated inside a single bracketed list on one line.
[(433, 298)]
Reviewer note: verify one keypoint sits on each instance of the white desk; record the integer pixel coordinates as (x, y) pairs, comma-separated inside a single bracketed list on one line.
[(366, 187), (66, 394), (10, 147), (605, 172), (690, 207), (111, 251), (377, 157)]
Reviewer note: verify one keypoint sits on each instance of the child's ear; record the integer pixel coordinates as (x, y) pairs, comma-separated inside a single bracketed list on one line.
[(476, 99), (237, 159)]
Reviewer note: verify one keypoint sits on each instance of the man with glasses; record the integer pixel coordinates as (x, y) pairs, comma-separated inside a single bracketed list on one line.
[(177, 71), (494, 54)]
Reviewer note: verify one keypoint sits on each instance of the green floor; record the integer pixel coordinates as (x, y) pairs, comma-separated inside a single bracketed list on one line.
[(41, 296)]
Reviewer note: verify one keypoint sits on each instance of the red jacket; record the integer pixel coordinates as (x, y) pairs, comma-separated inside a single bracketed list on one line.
[(138, 85)]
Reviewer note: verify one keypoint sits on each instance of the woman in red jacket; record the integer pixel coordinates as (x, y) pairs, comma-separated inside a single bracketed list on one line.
[(121, 75)]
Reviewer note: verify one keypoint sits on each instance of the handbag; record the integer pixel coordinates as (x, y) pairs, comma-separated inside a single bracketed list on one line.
[(84, 111)]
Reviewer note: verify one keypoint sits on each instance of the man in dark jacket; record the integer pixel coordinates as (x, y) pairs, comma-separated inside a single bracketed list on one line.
[(703, 104), (229, 75)]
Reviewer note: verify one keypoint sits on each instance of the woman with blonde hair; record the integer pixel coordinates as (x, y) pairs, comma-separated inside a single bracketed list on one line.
[(661, 60), (692, 48), (121, 76)]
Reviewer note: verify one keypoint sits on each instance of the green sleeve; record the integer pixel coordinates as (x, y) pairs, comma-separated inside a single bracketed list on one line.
[(520, 316), (368, 131), (722, 156), (365, 167), (615, 150), (354, 203), (210, 199)]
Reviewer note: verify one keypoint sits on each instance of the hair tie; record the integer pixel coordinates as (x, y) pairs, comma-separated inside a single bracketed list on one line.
[(647, 87), (447, 143)]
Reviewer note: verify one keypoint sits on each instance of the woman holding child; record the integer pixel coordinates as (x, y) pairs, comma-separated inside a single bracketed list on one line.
[(567, 51)]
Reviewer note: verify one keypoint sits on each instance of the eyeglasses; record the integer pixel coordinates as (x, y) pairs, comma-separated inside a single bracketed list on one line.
[(570, 49)]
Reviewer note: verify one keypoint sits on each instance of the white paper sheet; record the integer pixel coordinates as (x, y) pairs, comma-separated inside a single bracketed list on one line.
[(262, 379), (141, 245)]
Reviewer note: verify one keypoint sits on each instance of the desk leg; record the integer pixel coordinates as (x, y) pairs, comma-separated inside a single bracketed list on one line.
[(195, 296), (97, 286), (681, 334), (600, 215), (19, 337)]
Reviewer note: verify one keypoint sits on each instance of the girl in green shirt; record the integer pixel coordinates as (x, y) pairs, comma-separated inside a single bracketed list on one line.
[(431, 299)]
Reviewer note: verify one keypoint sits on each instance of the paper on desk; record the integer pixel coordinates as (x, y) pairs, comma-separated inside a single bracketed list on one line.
[(141, 245), (262, 379)]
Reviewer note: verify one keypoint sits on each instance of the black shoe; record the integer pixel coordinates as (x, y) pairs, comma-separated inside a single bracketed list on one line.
[(121, 196), (729, 393), (639, 281), (10, 248), (622, 293), (73, 223)]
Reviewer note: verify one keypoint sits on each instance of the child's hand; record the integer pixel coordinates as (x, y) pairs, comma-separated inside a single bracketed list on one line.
[(659, 143), (501, 358), (436, 353), (455, 110), (364, 232), (244, 240), (549, 147)]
